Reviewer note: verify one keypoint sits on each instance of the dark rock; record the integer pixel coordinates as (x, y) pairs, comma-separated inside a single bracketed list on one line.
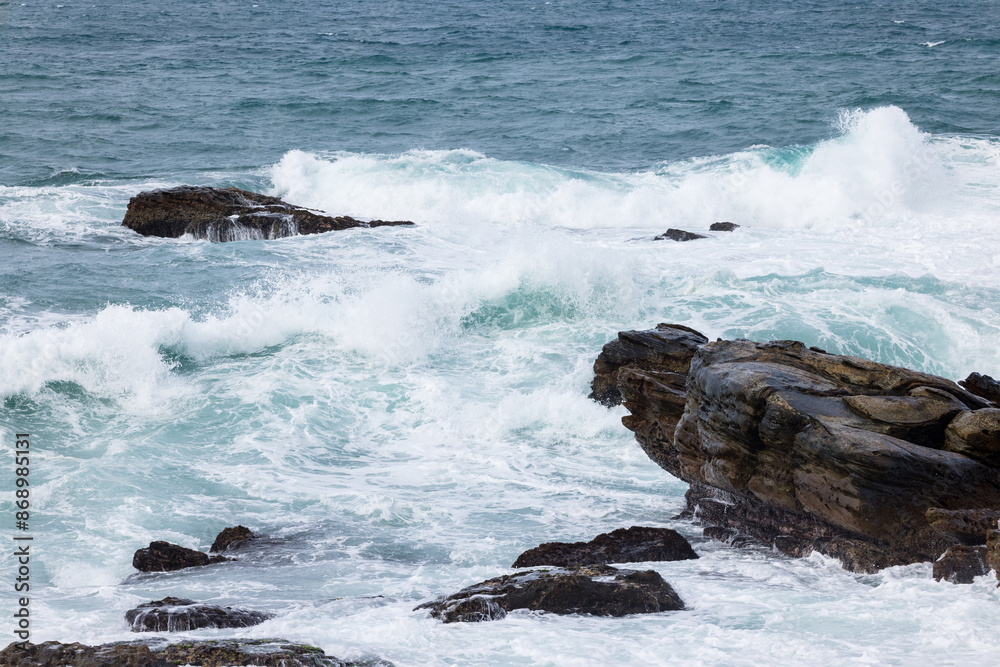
[(976, 434), (993, 551), (969, 527), (723, 227), (154, 653), (231, 537), (229, 214), (678, 235), (982, 385), (600, 590), (181, 615), (811, 451), (668, 348), (625, 545), (961, 564), (166, 557)]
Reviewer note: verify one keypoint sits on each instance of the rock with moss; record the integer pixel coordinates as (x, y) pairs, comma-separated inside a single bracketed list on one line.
[(599, 590)]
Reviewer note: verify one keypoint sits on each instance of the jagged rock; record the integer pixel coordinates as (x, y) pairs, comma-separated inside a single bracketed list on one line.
[(969, 527), (231, 537), (678, 235), (166, 557), (812, 451), (600, 590), (975, 434), (181, 615), (668, 348), (625, 545), (961, 564), (723, 227), (154, 653), (229, 214), (982, 385)]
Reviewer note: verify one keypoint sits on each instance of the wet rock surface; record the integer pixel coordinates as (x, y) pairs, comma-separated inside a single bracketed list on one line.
[(181, 615), (723, 227), (961, 564), (229, 214), (229, 538), (156, 653), (166, 557), (984, 386), (678, 235), (667, 349), (625, 545), (808, 451), (599, 590)]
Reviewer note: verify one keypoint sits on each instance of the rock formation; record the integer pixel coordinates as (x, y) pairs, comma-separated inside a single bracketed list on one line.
[(961, 564), (210, 653), (597, 589), (230, 538), (625, 545), (180, 615), (166, 557), (229, 214), (678, 235), (723, 227), (812, 451)]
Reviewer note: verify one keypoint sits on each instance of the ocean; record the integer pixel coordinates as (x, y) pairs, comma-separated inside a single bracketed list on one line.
[(402, 411)]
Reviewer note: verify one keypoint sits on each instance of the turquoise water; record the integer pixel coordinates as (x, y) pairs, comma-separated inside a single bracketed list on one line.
[(404, 409)]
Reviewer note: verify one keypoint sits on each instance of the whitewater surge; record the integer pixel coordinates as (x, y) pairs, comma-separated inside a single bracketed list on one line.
[(405, 409)]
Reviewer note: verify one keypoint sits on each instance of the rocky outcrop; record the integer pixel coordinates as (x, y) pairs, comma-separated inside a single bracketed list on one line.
[(229, 214), (982, 385), (181, 615), (599, 590), (625, 545), (213, 653), (667, 350), (166, 557), (723, 227), (812, 451), (229, 538), (961, 564), (678, 235)]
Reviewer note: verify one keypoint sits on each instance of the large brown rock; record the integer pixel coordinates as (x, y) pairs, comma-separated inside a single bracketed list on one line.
[(229, 214), (625, 545), (813, 451), (599, 590)]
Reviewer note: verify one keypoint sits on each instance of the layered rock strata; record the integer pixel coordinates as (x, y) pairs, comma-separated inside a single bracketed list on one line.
[(873, 464), (229, 214)]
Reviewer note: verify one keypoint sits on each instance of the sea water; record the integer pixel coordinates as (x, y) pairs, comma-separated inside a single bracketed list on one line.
[(402, 411)]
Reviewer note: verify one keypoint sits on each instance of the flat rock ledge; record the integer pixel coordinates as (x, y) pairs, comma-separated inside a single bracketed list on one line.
[(625, 545), (807, 451), (153, 653), (182, 615), (599, 590), (229, 214)]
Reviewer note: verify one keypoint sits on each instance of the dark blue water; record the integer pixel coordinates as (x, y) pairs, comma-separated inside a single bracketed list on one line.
[(142, 88)]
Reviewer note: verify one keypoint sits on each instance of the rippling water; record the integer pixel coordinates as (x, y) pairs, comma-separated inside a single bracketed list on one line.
[(405, 408)]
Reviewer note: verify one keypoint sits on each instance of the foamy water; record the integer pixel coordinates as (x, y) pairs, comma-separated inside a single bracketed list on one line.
[(405, 411)]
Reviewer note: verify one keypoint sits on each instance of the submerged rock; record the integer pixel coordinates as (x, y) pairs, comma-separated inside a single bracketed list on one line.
[(678, 235), (723, 227), (961, 564), (598, 589), (668, 349), (166, 557), (231, 537), (625, 545), (229, 214), (812, 451), (181, 615), (153, 653)]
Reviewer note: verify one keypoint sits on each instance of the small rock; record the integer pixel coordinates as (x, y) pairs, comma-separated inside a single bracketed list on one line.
[(180, 615), (600, 590), (166, 557), (230, 537), (723, 227), (678, 235), (625, 545), (983, 386), (993, 551), (961, 564)]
